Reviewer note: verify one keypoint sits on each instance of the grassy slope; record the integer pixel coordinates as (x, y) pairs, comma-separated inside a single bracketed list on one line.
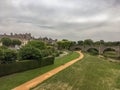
[(11, 81), (92, 73)]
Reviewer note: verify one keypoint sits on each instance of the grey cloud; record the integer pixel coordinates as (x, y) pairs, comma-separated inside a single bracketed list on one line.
[(71, 19)]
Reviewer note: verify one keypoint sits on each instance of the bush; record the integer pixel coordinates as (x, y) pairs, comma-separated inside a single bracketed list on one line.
[(10, 55), (6, 41), (46, 53), (6, 69), (20, 66), (16, 42), (47, 61), (1, 55), (30, 53), (7, 55), (37, 44), (93, 52)]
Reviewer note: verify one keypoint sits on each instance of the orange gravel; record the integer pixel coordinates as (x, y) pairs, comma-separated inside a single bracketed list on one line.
[(34, 82)]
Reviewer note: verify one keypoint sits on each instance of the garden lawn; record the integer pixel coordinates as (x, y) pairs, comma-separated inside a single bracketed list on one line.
[(14, 80), (91, 73)]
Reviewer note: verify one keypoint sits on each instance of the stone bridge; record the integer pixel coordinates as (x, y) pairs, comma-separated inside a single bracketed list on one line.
[(101, 49)]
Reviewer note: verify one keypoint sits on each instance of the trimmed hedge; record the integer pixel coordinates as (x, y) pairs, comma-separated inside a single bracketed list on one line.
[(6, 69), (47, 61)]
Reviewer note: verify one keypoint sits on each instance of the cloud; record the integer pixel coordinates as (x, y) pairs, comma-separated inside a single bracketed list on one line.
[(71, 19)]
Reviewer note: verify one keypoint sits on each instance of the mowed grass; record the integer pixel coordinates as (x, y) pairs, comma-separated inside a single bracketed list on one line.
[(14, 80), (91, 73)]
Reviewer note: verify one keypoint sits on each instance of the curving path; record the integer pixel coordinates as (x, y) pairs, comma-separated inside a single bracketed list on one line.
[(34, 82)]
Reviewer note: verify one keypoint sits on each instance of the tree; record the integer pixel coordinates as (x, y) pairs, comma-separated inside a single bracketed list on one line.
[(64, 44), (30, 53), (88, 42), (7, 55), (80, 42), (6, 41), (16, 42), (37, 44), (10, 55)]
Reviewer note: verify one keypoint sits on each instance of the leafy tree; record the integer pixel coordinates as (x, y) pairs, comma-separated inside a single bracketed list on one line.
[(80, 42), (10, 55), (7, 55), (6, 41), (16, 42), (88, 42), (37, 44), (64, 44), (30, 53)]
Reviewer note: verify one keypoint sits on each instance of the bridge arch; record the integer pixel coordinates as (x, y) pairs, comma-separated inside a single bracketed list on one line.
[(114, 48)]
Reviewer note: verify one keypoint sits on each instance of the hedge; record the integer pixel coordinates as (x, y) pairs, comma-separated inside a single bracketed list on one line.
[(47, 61), (6, 69)]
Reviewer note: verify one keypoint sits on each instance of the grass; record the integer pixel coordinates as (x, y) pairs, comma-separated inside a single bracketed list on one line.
[(92, 73), (11, 81)]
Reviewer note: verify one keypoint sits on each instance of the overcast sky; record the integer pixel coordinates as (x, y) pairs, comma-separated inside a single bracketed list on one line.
[(62, 19)]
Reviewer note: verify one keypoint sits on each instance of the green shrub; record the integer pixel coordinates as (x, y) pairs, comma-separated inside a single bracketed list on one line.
[(47, 61), (20, 66), (37, 44), (46, 53), (10, 55), (30, 53), (1, 55), (93, 52), (6, 69), (6, 41), (7, 55)]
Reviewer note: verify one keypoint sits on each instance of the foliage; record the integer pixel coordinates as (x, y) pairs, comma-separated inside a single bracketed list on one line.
[(3, 47), (47, 61), (10, 55), (64, 44), (80, 42), (93, 51), (37, 44), (10, 42), (16, 42), (7, 55), (88, 42), (30, 53), (6, 41)]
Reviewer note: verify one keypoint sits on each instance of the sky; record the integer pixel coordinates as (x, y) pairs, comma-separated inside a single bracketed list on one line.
[(62, 19)]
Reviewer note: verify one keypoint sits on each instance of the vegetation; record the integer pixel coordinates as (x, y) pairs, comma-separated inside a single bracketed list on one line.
[(37, 44), (10, 42), (93, 51), (21, 66), (92, 73), (6, 41), (65, 44), (29, 53), (11, 81), (7, 56)]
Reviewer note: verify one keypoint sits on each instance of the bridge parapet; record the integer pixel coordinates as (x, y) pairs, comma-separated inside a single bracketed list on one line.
[(101, 49)]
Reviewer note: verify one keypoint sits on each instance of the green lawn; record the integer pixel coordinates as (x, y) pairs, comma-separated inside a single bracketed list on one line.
[(11, 81), (92, 73)]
